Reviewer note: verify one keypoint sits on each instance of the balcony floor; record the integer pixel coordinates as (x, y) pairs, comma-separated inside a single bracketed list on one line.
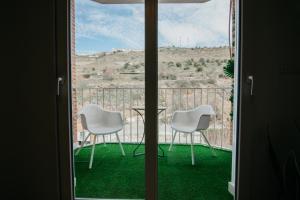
[(115, 176)]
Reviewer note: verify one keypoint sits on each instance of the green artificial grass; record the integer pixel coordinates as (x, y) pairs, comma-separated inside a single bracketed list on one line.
[(115, 176)]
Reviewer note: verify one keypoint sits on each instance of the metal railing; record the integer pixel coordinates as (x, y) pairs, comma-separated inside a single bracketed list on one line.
[(122, 99)]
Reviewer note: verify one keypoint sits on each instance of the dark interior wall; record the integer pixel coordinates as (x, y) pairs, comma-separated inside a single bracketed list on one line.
[(270, 51), (29, 159)]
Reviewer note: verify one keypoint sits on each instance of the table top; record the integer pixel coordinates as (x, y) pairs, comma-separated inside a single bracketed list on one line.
[(143, 108)]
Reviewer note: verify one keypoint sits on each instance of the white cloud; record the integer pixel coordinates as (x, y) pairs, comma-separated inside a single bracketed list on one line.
[(94, 21), (179, 24), (195, 24)]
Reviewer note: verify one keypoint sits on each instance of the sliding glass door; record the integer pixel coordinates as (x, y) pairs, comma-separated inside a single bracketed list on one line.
[(194, 132), (108, 99), (151, 102)]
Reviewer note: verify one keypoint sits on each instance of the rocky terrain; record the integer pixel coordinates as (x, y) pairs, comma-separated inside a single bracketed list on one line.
[(178, 67)]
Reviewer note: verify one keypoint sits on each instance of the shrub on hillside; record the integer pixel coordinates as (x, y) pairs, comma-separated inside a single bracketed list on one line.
[(178, 64), (86, 76), (199, 69), (163, 76), (218, 62), (189, 62), (138, 78), (136, 66), (196, 64), (126, 65), (211, 81), (201, 60), (170, 64)]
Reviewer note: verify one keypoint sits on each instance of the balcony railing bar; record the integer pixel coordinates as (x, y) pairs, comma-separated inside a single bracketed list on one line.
[(137, 121), (215, 108), (124, 131), (165, 115), (130, 115), (109, 94), (180, 107), (222, 116)]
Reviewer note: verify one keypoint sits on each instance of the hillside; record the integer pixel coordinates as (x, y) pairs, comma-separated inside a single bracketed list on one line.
[(178, 67)]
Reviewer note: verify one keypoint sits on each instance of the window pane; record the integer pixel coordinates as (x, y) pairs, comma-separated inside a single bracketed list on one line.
[(193, 49), (108, 74)]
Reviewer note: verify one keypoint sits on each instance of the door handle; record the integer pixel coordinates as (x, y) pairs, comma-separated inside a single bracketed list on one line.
[(251, 82), (59, 83)]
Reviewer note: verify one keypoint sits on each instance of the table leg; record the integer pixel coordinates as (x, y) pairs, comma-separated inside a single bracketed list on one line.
[(139, 154), (134, 151), (136, 148)]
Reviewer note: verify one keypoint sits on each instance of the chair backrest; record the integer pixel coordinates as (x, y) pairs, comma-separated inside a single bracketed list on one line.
[(203, 122), (205, 111), (195, 119), (91, 115)]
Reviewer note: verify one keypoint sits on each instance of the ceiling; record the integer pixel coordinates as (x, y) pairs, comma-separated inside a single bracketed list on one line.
[(142, 1)]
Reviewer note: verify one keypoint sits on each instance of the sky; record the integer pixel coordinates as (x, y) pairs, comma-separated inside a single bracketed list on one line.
[(104, 27)]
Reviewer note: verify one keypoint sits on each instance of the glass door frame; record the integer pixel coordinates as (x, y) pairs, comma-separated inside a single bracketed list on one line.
[(151, 98), (62, 34)]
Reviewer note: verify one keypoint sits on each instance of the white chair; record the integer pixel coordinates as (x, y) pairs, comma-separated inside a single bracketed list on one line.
[(191, 121), (99, 122)]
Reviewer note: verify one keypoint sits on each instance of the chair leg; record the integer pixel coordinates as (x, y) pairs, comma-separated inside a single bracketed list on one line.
[(172, 141), (192, 149), (92, 154), (84, 141), (103, 136), (121, 147), (211, 149)]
